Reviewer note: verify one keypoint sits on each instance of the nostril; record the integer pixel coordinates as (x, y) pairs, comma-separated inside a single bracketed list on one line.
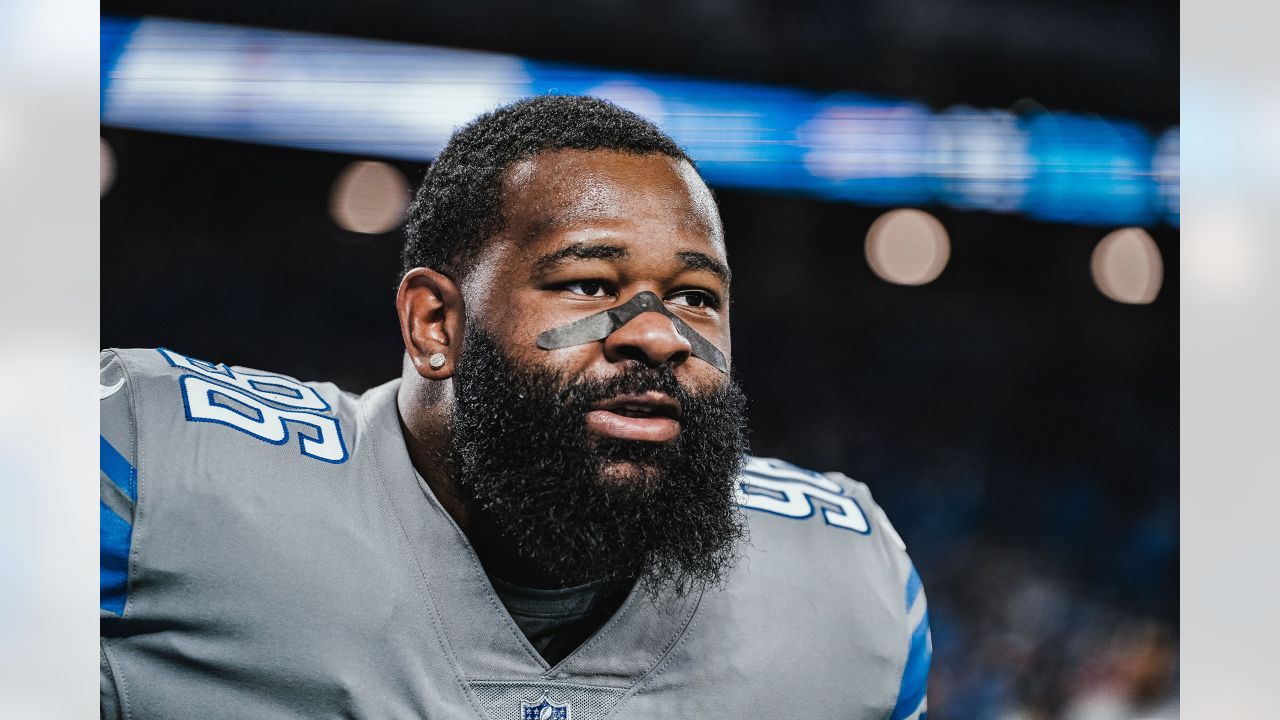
[(650, 356), (631, 352), (650, 338)]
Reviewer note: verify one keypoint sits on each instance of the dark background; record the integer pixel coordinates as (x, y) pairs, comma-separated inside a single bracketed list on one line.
[(1019, 427)]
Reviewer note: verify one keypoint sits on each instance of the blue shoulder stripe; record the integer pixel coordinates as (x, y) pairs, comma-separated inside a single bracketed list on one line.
[(118, 469), (915, 673), (913, 587), (915, 676), (115, 533)]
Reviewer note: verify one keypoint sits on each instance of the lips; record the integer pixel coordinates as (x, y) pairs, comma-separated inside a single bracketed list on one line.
[(652, 417)]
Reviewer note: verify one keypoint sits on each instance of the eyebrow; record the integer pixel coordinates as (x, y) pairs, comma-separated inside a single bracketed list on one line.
[(689, 259), (579, 251), (692, 260)]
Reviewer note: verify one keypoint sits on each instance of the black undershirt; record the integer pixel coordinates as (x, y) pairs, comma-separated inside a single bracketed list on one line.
[(557, 621)]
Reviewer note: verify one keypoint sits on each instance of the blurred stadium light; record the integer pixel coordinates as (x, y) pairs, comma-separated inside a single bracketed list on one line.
[(1166, 167), (106, 167), (369, 197), (908, 247), (1127, 266), (397, 100)]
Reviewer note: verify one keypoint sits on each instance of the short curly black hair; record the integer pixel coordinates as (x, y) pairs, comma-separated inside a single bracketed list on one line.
[(459, 204)]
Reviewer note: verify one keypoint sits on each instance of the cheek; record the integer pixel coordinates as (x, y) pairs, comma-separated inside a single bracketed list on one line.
[(572, 361), (700, 377), (521, 325), (519, 341), (512, 327)]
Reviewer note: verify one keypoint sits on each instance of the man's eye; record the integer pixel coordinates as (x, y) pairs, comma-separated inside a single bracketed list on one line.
[(695, 299), (589, 288)]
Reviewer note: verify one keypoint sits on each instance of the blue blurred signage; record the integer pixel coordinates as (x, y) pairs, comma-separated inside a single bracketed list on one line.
[(402, 101)]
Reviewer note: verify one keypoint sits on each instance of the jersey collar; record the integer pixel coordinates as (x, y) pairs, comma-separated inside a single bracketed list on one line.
[(480, 636)]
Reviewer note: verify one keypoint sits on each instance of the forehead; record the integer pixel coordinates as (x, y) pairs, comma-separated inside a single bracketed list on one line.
[(567, 189)]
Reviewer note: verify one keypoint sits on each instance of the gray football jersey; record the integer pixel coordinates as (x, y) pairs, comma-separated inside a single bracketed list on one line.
[(268, 551)]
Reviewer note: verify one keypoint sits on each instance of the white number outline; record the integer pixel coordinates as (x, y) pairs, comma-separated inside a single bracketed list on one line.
[(327, 429), (803, 493)]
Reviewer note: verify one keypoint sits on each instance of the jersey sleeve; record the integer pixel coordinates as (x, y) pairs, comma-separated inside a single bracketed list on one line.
[(118, 483), (779, 488), (912, 700)]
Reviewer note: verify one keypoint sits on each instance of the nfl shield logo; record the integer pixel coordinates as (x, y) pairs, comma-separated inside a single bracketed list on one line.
[(544, 709)]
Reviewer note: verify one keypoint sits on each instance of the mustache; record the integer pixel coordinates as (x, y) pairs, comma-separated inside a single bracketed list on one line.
[(582, 393)]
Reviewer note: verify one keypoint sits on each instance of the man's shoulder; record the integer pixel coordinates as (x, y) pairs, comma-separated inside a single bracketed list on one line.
[(172, 400), (191, 448), (823, 575), (822, 523)]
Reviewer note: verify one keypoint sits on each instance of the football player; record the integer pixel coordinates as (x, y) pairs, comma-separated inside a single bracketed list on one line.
[(549, 515)]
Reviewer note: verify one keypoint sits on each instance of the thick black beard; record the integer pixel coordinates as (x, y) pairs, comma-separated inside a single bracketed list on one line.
[(522, 453)]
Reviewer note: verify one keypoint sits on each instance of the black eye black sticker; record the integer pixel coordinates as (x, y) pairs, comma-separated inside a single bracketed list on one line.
[(604, 323)]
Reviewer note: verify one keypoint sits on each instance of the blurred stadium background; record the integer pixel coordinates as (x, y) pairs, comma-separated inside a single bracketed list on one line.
[(956, 223)]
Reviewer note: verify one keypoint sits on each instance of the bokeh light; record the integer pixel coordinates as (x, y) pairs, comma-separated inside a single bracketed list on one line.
[(908, 247), (369, 197), (106, 167), (1127, 266)]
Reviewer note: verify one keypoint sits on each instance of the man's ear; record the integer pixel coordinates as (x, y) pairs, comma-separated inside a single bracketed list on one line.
[(432, 318)]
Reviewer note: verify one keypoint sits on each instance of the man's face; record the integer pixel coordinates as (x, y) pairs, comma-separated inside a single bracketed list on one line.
[(614, 457), (584, 232)]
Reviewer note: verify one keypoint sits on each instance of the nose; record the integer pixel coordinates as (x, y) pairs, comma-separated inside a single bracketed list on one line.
[(650, 338)]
